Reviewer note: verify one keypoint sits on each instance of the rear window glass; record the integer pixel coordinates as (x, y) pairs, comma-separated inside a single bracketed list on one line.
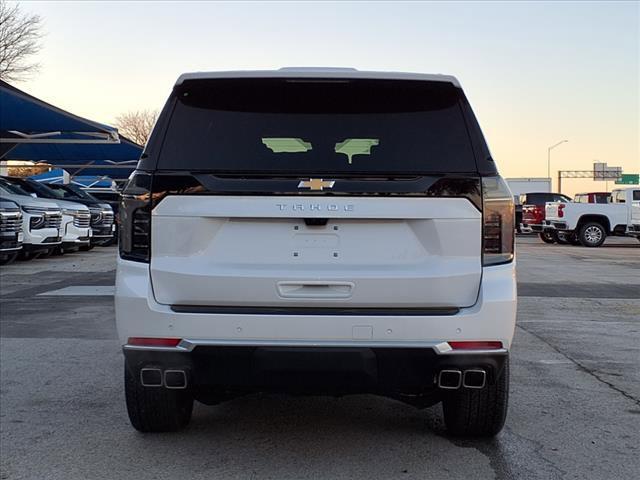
[(542, 198), (331, 126), (538, 198)]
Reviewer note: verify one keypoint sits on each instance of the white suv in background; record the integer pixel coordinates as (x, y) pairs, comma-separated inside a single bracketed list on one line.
[(41, 221), (317, 231), (11, 236), (76, 217)]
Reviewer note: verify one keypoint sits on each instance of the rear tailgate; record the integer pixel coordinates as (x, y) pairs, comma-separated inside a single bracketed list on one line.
[(372, 252), (551, 211), (532, 214)]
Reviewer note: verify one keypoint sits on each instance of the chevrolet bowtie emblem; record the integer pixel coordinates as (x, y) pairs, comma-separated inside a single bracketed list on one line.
[(316, 184)]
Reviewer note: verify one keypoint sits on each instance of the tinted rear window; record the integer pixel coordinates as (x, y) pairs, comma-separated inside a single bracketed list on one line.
[(539, 198), (300, 126)]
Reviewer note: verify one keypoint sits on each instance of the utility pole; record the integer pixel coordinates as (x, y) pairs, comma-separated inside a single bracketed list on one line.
[(549, 157)]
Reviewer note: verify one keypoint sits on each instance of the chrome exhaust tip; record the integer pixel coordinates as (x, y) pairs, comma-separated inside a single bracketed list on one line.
[(474, 378), (175, 379), (450, 379), (151, 377)]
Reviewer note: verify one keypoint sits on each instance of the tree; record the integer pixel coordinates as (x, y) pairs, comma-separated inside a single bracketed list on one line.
[(20, 36), (137, 125)]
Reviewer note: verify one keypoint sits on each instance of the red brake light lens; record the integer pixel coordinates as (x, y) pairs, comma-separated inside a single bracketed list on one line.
[(153, 342), (561, 210), (491, 345)]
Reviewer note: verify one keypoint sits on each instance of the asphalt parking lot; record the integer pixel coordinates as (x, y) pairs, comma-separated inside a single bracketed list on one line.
[(574, 406)]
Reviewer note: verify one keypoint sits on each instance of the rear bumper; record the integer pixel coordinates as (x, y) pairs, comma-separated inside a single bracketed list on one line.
[(211, 370), (555, 225), (389, 354), (524, 228), (491, 318), (532, 228)]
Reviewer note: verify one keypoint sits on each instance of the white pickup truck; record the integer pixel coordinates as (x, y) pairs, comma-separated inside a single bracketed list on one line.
[(591, 223)]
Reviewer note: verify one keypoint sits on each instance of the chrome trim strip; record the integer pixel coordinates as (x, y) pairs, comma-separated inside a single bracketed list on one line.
[(155, 349), (311, 311), (187, 345)]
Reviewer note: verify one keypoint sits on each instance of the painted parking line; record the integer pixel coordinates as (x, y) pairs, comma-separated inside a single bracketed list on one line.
[(82, 290)]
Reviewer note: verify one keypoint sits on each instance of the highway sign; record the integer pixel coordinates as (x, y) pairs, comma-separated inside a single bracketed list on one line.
[(629, 179)]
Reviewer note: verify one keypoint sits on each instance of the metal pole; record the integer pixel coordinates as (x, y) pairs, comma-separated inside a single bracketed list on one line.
[(559, 181), (549, 158)]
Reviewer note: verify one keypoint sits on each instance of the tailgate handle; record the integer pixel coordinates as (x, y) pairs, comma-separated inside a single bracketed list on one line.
[(315, 289)]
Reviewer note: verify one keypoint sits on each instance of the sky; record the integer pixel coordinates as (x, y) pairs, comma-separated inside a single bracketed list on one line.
[(535, 73)]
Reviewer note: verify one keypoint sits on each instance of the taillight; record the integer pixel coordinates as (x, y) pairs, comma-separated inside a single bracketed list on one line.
[(135, 218), (561, 210), (498, 227), (475, 345), (539, 214), (153, 342)]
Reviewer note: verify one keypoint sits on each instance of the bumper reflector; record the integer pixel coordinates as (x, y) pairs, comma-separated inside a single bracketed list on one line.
[(475, 345), (153, 342)]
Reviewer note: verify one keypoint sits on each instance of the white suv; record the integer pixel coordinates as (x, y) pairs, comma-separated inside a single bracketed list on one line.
[(41, 221), (317, 231), (76, 217)]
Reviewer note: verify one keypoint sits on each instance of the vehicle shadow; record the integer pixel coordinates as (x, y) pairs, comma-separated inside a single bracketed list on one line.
[(360, 436)]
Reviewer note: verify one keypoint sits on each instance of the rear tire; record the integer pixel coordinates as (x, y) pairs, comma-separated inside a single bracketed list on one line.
[(573, 239), (86, 248), (562, 238), (156, 409), (478, 413), (548, 237), (592, 234)]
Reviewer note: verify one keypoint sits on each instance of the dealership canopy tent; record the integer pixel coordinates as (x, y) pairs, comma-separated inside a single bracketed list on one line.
[(59, 176), (31, 129)]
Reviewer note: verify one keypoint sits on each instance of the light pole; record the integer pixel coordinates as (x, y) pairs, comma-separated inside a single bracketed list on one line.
[(549, 156)]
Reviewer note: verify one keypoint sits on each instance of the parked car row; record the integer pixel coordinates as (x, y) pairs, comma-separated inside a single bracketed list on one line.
[(586, 220), (38, 219), (591, 223)]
